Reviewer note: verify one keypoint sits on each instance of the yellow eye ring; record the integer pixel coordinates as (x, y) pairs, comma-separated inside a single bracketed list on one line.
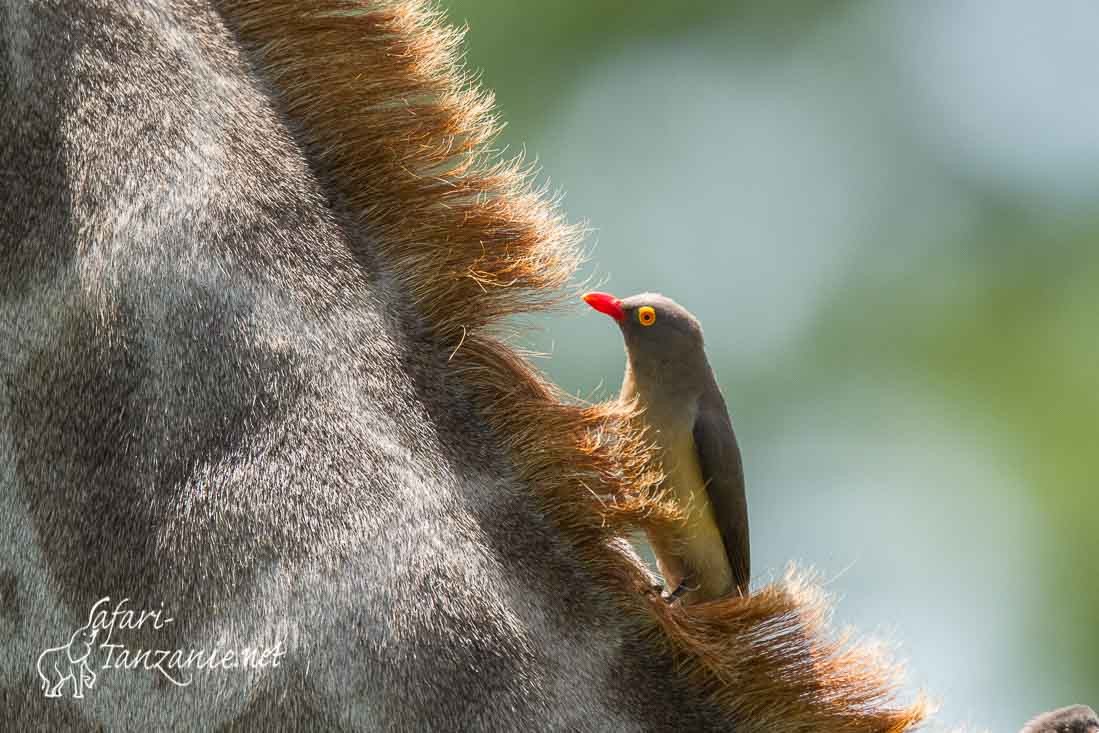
[(646, 316)]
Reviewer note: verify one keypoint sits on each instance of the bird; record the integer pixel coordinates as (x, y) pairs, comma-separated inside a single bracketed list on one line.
[(1072, 719), (669, 376)]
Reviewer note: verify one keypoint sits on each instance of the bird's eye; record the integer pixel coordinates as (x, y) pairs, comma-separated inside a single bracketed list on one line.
[(646, 316)]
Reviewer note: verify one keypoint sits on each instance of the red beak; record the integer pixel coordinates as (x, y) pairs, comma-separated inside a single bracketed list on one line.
[(606, 303)]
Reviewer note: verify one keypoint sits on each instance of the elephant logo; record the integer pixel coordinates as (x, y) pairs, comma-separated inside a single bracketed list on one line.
[(67, 663)]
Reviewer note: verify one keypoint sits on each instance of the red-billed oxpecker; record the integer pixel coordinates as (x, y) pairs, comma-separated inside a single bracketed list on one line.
[(668, 374)]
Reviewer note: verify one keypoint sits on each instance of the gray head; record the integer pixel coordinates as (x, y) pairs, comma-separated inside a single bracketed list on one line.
[(1073, 719), (659, 333)]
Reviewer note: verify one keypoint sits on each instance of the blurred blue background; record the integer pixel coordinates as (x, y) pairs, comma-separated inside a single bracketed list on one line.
[(886, 217)]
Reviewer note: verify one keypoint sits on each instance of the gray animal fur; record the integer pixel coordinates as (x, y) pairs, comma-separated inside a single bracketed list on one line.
[(214, 397)]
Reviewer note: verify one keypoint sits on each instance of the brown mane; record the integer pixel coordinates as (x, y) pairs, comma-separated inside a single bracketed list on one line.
[(399, 133)]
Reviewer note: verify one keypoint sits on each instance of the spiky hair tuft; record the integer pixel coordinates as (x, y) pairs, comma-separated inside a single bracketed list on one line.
[(399, 130)]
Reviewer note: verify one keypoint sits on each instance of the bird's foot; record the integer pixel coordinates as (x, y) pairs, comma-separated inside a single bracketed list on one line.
[(675, 594)]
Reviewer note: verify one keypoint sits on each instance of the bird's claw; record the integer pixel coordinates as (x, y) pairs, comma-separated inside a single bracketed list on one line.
[(675, 594)]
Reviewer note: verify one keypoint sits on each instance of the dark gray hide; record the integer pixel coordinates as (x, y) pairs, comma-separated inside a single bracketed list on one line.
[(214, 401)]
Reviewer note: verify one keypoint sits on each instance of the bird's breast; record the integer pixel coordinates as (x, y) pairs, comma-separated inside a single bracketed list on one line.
[(683, 475), (696, 552)]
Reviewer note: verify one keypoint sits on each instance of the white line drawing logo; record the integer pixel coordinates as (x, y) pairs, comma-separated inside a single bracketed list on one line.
[(72, 663), (69, 663)]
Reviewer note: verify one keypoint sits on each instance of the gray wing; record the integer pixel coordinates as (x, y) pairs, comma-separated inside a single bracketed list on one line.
[(719, 458)]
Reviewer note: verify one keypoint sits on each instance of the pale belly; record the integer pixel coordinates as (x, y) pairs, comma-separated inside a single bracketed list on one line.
[(695, 554)]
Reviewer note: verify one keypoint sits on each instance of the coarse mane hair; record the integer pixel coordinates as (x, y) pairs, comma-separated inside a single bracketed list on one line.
[(398, 133)]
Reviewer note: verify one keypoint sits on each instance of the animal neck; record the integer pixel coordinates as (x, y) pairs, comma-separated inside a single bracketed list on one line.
[(660, 388)]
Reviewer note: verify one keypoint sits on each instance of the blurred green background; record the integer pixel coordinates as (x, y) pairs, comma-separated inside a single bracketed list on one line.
[(886, 217)]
